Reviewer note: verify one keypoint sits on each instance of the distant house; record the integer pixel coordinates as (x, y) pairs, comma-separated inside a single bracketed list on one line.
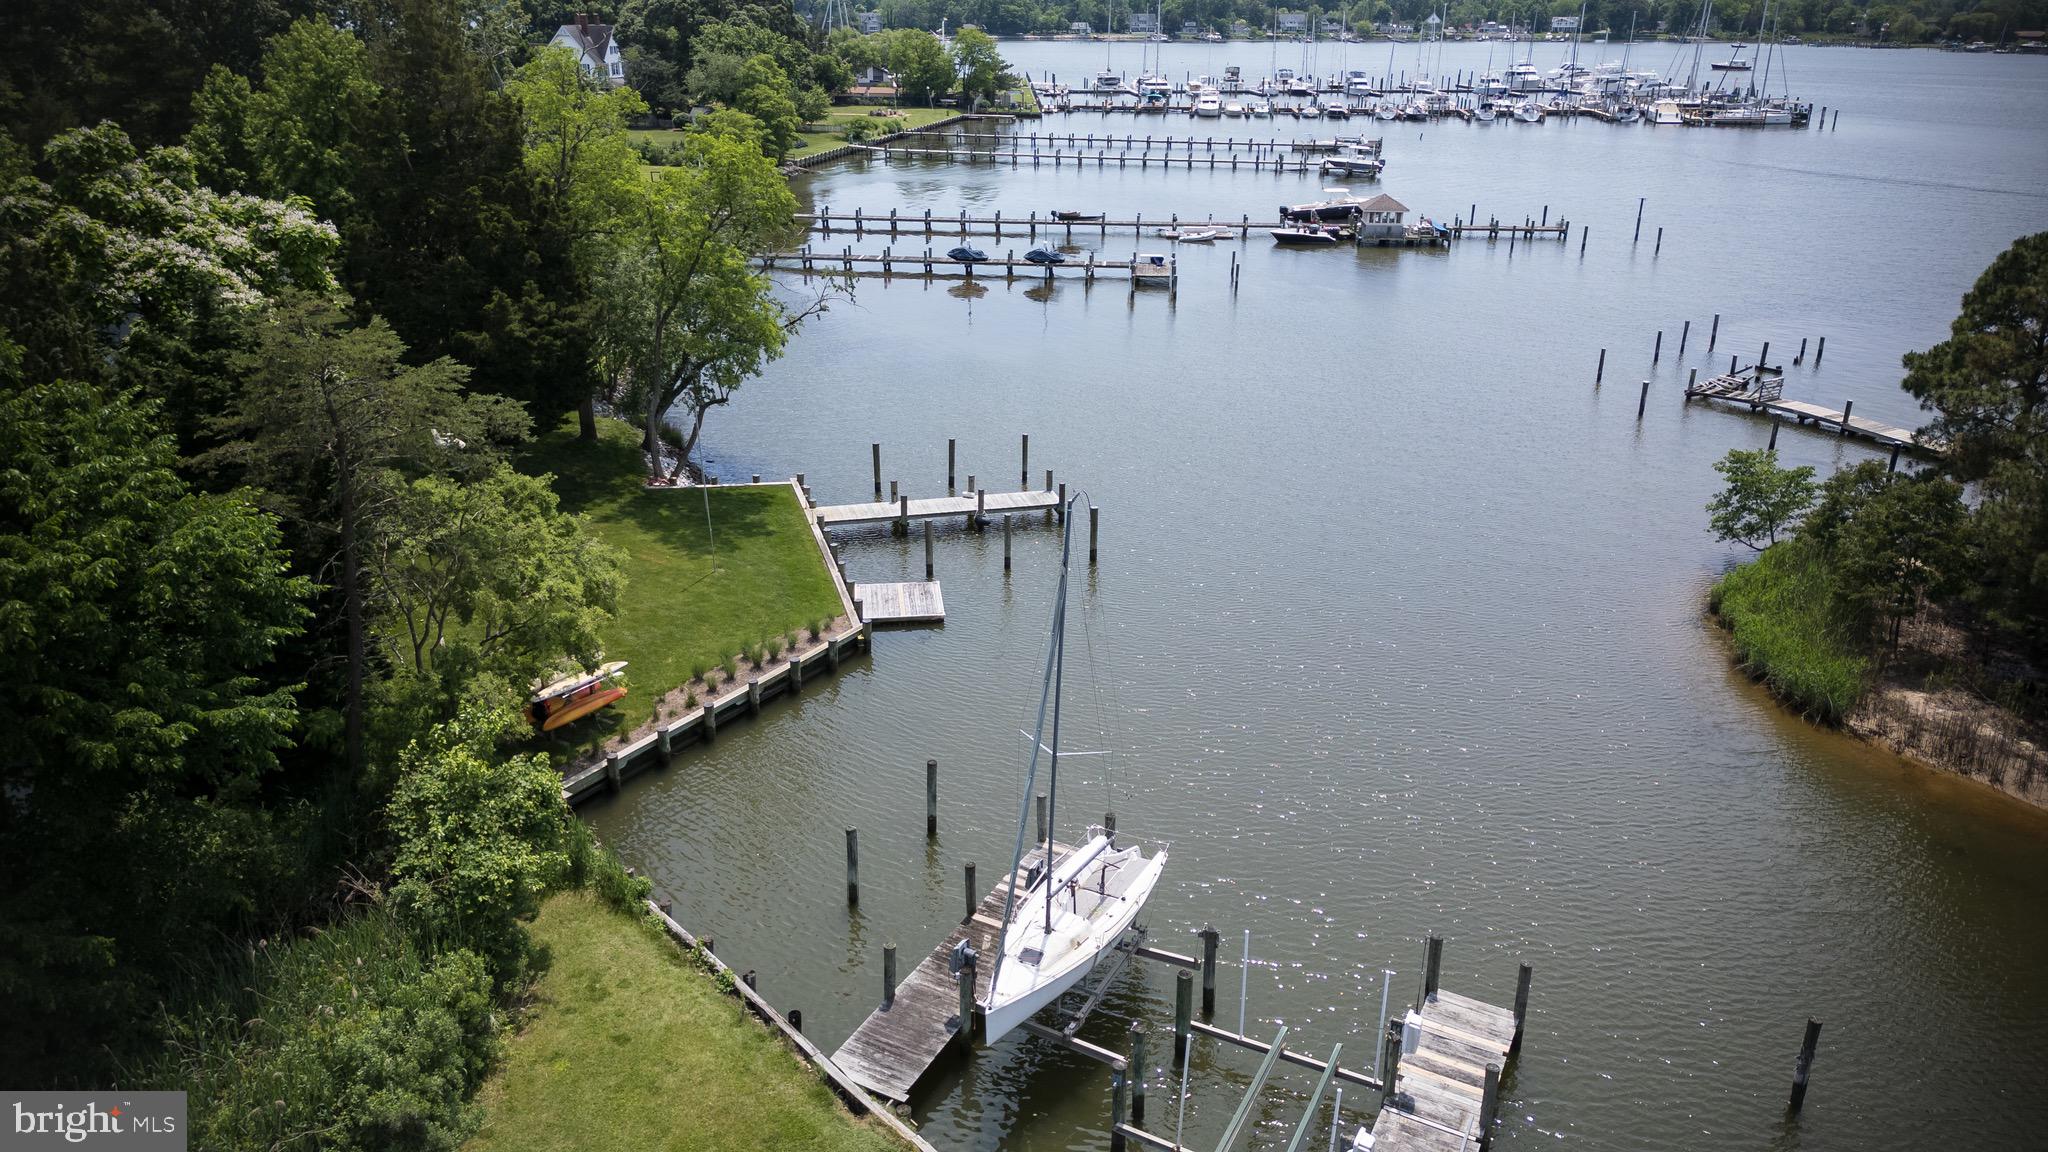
[(1331, 26), (1564, 23), (870, 22), (594, 44), (1144, 23), (1291, 23), (1081, 28), (1240, 29), (1189, 29), (1433, 28), (1381, 216)]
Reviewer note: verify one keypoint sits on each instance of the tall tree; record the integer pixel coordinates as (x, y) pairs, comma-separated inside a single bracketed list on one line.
[(1988, 387), (979, 64), (1760, 499), (137, 623), (329, 416)]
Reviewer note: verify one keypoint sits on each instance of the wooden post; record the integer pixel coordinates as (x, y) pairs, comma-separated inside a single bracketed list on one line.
[(1582, 239), (965, 1024), (1658, 250), (1523, 977), (611, 771), (973, 897), (1773, 445), (666, 747), (852, 867), (877, 450), (1094, 525), (753, 695), (927, 549), (1600, 369), (1803, 1067), (1764, 359), (1061, 510), (903, 511), (889, 973), (1119, 1079), (1041, 819), (1683, 334), (710, 717), (1657, 351), (1692, 379), (1432, 965), (1024, 468), (892, 491), (1183, 1009), (931, 791), (1006, 543), (1643, 400), (795, 1016), (747, 978), (1848, 406), (1048, 479), (1489, 1104), (1894, 465), (1639, 218), (950, 442), (1138, 1073), (1820, 350), (1209, 938), (1801, 358), (1390, 1060)]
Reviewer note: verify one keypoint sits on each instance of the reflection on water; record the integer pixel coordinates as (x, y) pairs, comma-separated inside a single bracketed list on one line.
[(1397, 629)]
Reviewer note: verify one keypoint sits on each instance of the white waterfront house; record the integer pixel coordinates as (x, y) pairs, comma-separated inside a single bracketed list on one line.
[(1081, 28), (1564, 23), (1143, 24), (1291, 23), (870, 22), (593, 43)]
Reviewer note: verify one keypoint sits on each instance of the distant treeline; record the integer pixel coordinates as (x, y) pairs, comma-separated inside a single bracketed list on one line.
[(1913, 22)]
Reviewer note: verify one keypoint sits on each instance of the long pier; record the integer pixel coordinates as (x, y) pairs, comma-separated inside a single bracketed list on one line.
[(1167, 143), (1762, 390), (1028, 226), (931, 265), (1257, 162)]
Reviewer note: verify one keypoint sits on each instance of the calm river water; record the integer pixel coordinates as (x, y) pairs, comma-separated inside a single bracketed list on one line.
[(1398, 626)]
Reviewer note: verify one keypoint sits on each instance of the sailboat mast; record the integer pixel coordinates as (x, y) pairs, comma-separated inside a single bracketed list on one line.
[(1052, 798)]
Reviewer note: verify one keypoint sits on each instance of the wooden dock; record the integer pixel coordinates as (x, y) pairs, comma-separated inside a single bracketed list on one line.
[(1259, 161), (1440, 1098), (1762, 390), (1168, 143), (1028, 226), (905, 509), (911, 602), (939, 266), (899, 1041)]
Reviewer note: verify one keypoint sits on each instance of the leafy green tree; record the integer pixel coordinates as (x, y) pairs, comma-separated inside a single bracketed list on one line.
[(480, 837), (765, 95), (979, 64), (689, 314), (923, 70), (137, 728), (301, 124), (328, 414), (1904, 545), (1988, 387), (1759, 500), (489, 575)]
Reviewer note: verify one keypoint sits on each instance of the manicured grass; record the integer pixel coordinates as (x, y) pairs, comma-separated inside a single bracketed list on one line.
[(692, 596), (633, 1046), (830, 133), (1788, 633)]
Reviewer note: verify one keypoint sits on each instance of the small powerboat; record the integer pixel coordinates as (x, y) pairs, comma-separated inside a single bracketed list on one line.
[(1046, 254), (967, 254), (1310, 236), (1077, 217)]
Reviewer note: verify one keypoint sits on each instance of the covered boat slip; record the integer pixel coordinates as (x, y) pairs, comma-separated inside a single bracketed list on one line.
[(898, 1042)]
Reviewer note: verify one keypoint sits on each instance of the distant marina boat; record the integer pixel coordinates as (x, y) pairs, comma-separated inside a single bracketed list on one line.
[(1208, 104), (1529, 112), (1484, 114), (1336, 112), (1077, 217), (968, 254), (1261, 110), (1233, 109), (1311, 236), (1341, 206), (1354, 162), (1046, 254), (1109, 82)]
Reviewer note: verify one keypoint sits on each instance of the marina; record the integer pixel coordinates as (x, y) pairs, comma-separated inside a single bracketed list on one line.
[(1260, 160)]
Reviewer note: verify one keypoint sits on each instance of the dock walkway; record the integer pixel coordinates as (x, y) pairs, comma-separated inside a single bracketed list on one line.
[(982, 502), (898, 1042), (938, 266), (1439, 1102), (1761, 391), (1260, 161), (908, 602)]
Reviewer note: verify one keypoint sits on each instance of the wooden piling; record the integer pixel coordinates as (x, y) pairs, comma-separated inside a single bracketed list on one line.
[(964, 1025), (1432, 965), (1138, 1073), (931, 799), (1848, 406), (1714, 334), (1041, 817), (1684, 334), (1582, 239), (1390, 1061), (1893, 466), (753, 695), (1773, 445), (1006, 542), (1523, 978), (1765, 358), (1489, 1104), (1118, 1086), (1600, 369), (1801, 358), (1639, 218), (1024, 467), (1209, 939), (1183, 1011), (1803, 1067), (1643, 400), (1657, 352), (795, 1016), (1659, 249), (1820, 350), (876, 448), (852, 867), (1094, 524), (927, 549), (889, 973), (950, 443)]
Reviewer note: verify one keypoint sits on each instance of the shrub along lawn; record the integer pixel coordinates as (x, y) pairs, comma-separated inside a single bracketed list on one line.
[(686, 605), (634, 1047)]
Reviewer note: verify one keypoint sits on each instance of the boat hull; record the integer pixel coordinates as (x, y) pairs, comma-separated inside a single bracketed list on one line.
[(999, 1020)]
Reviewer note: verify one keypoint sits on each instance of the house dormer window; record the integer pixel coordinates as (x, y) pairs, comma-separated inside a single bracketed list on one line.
[(616, 70)]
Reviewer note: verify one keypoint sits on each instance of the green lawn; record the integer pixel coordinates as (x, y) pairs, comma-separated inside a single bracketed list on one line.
[(686, 605), (831, 132), (634, 1047)]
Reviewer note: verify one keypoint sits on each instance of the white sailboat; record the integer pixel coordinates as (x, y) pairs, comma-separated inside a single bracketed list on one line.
[(1059, 922)]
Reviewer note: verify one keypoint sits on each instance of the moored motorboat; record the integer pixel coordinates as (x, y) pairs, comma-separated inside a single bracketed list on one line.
[(1311, 236), (1341, 206), (1076, 217)]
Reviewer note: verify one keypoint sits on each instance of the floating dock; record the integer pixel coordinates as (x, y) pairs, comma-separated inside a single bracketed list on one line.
[(905, 509), (1761, 389), (900, 1040), (911, 602)]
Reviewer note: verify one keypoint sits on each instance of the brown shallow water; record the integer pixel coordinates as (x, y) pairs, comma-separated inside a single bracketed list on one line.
[(1398, 628)]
